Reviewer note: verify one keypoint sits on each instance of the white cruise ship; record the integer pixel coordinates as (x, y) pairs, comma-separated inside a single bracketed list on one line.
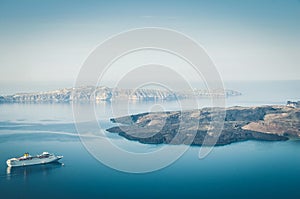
[(27, 159)]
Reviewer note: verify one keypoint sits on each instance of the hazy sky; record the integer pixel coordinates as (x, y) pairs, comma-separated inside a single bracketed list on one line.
[(248, 40)]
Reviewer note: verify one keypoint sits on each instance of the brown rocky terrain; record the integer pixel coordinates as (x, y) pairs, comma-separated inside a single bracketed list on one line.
[(266, 123)]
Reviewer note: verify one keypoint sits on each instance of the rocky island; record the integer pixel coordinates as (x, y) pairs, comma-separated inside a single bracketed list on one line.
[(103, 93), (266, 123)]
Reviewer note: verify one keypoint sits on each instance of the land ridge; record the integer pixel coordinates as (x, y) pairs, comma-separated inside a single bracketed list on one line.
[(103, 93)]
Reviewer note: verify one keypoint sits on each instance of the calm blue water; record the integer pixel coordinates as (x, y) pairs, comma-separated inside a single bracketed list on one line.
[(242, 170)]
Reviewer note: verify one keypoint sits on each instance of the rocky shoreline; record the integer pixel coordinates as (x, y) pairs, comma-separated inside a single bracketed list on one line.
[(264, 123)]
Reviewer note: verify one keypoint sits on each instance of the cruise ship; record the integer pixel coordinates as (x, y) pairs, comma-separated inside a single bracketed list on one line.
[(27, 159)]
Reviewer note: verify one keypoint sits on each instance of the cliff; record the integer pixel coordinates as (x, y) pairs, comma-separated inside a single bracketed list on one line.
[(90, 94)]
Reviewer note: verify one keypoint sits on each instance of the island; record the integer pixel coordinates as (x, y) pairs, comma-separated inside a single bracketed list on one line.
[(106, 94), (265, 123)]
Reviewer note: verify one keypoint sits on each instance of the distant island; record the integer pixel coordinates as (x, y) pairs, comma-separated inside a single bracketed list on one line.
[(102, 93), (265, 123)]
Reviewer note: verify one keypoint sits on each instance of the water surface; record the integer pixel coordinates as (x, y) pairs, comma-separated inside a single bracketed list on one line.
[(242, 170)]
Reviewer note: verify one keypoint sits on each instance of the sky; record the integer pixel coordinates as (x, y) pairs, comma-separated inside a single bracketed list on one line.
[(49, 40)]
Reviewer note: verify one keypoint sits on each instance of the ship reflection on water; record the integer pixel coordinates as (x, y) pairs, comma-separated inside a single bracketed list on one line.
[(26, 171)]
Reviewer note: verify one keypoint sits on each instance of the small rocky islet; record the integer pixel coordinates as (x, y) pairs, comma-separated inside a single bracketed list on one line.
[(264, 123)]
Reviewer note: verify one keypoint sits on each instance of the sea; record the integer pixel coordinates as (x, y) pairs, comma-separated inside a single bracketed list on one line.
[(251, 169)]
